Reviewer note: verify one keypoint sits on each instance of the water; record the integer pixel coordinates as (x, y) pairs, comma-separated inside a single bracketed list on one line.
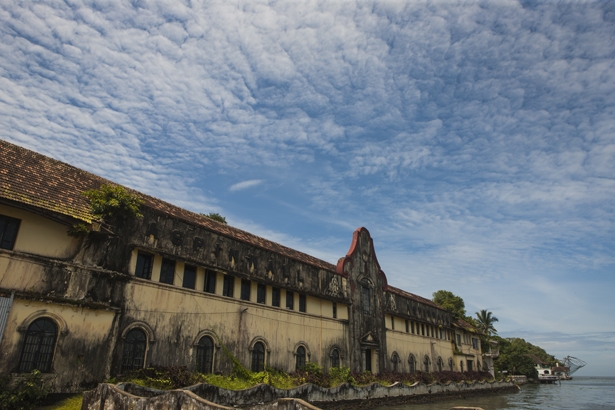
[(586, 393)]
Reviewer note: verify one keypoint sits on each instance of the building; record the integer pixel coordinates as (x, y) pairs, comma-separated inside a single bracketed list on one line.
[(176, 288)]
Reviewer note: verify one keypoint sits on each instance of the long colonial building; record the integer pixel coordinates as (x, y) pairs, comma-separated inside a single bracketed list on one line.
[(176, 288)]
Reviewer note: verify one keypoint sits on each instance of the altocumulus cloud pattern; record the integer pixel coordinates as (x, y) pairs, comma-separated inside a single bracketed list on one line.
[(476, 140)]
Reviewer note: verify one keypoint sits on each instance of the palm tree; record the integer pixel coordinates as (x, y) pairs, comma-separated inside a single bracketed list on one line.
[(485, 322)]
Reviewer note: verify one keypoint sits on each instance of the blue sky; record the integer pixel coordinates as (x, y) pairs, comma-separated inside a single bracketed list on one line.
[(474, 140)]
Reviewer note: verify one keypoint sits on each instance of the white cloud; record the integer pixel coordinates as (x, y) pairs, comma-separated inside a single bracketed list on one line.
[(245, 184)]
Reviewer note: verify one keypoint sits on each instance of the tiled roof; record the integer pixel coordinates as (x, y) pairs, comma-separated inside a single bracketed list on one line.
[(466, 326), (414, 297), (36, 180)]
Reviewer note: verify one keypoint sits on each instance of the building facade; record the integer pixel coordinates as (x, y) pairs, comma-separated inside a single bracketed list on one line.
[(176, 288)]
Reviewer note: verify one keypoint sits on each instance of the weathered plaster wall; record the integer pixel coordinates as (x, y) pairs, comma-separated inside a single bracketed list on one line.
[(84, 345), (177, 316), (41, 235)]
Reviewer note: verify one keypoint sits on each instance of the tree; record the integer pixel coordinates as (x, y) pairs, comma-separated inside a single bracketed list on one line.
[(113, 202), (216, 217), (450, 302), (485, 320), (515, 356)]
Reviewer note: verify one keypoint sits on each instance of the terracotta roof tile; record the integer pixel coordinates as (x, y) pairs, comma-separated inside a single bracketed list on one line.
[(36, 180), (414, 297)]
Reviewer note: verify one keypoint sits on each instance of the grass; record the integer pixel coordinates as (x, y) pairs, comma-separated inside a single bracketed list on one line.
[(70, 403)]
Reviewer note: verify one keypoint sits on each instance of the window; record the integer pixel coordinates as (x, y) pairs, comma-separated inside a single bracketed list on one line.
[(366, 299), (261, 293), (426, 363), (205, 355), (422, 329), (300, 358), (392, 323), (458, 340), (461, 366), (290, 300), (368, 360), (167, 271), (189, 277), (210, 281), (275, 297), (412, 363), (39, 345), (245, 289), (144, 265), (335, 358), (407, 327), (395, 360), (440, 364), (8, 231), (470, 365), (412, 327), (134, 350), (302, 303), (475, 343), (228, 288), (334, 310), (258, 357)]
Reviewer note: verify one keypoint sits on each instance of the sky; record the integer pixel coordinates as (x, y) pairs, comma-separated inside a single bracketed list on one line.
[(474, 140)]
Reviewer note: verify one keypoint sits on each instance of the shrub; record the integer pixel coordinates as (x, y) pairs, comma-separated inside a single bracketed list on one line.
[(25, 394)]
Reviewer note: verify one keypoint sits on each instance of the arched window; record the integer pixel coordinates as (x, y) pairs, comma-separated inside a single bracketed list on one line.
[(134, 350), (335, 358), (412, 363), (395, 360), (426, 363), (450, 364), (440, 364), (300, 358), (38, 348), (205, 355), (258, 357)]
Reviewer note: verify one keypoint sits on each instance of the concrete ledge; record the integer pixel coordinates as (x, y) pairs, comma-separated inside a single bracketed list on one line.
[(263, 396)]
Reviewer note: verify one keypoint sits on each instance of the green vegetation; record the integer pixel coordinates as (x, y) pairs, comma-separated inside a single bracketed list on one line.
[(71, 403), (485, 321), (515, 356), (23, 395), (216, 217), (167, 378), (109, 204), (451, 303)]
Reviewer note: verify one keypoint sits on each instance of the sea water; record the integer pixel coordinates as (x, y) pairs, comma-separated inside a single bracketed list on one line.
[(582, 392)]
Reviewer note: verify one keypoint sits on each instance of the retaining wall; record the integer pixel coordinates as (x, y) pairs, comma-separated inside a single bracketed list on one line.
[(263, 396)]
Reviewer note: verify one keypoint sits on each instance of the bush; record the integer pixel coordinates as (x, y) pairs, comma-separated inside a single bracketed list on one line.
[(25, 394)]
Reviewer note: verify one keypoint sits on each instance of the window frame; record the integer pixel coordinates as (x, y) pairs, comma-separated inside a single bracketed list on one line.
[(228, 286), (39, 336), (302, 303), (290, 300), (258, 357), (210, 281), (130, 346), (261, 293), (205, 355), (275, 297), (246, 284), (300, 357), (189, 281), (143, 270), (9, 228), (167, 275)]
